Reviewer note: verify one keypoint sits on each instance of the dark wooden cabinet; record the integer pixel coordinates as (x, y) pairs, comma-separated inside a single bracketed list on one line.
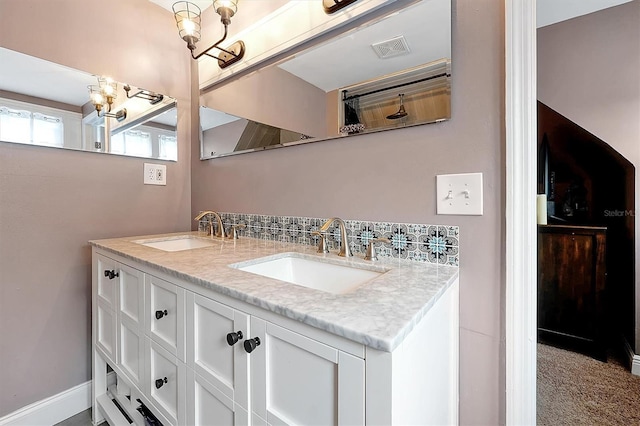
[(571, 287)]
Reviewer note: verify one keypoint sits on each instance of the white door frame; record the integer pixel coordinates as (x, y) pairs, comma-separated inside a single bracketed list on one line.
[(520, 181)]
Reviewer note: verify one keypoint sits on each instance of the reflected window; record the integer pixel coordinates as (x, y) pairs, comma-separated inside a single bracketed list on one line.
[(15, 125), (132, 142), (168, 147), (23, 126), (47, 130)]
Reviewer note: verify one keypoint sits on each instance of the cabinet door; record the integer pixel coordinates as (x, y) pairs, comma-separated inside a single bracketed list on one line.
[(208, 406), (165, 383), (131, 294), (297, 380), (165, 315), (571, 285), (131, 350), (208, 352), (131, 322), (105, 329)]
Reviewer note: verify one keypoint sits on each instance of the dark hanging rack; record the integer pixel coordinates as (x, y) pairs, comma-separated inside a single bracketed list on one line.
[(346, 98)]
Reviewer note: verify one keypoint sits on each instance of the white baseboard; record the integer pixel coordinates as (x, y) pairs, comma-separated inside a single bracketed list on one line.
[(53, 409), (634, 360)]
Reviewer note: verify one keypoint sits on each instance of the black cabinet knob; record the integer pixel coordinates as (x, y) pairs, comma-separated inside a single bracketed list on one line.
[(160, 382), (111, 274), (232, 338), (251, 344), (160, 314)]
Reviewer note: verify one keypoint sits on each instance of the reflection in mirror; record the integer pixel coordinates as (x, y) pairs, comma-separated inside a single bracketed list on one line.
[(47, 104), (351, 84), (225, 134)]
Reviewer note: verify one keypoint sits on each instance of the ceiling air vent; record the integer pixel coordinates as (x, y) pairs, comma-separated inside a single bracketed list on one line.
[(393, 47)]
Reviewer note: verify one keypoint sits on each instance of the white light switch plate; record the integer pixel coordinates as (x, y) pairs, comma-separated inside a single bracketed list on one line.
[(155, 174), (459, 194)]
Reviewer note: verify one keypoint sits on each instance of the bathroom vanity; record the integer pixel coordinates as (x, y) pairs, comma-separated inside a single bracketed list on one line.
[(191, 336)]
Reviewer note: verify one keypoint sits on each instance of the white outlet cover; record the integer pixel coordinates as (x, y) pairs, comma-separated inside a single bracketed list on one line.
[(459, 194), (155, 174)]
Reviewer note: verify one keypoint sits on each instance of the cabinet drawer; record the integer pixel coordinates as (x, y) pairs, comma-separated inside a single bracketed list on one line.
[(207, 405), (165, 315), (165, 382), (107, 274), (208, 352)]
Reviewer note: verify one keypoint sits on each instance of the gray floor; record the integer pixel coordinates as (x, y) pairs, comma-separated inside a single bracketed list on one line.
[(80, 419)]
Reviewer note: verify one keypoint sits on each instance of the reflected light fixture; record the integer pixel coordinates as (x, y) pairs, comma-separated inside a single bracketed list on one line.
[(103, 94), (332, 6), (188, 16), (153, 98)]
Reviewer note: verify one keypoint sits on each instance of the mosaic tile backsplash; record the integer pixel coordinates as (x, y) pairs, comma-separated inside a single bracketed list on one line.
[(422, 243)]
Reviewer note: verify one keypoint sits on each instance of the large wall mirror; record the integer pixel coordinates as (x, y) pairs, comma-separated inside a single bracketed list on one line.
[(47, 104), (389, 73)]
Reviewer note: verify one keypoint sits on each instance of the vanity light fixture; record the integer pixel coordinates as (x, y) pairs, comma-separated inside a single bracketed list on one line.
[(104, 93), (153, 98), (332, 6), (188, 16)]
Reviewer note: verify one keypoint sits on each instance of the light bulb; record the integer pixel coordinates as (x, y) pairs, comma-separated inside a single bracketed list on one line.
[(97, 98), (188, 26)]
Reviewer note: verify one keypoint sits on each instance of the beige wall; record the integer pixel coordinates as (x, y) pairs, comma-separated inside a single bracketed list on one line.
[(391, 176), (274, 97), (588, 70), (52, 201)]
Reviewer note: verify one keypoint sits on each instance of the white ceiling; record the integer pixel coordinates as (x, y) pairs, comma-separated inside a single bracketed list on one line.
[(350, 59), (553, 11), (211, 118), (31, 76), (167, 4)]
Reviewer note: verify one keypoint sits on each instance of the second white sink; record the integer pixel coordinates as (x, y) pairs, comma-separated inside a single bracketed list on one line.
[(310, 273), (177, 244)]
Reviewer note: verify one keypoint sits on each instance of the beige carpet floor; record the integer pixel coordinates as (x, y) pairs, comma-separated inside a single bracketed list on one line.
[(574, 389)]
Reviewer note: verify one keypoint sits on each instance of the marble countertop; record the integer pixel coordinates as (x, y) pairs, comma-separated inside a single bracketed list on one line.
[(379, 313)]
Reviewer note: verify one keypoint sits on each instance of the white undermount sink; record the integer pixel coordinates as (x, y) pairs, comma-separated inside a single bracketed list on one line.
[(310, 273), (186, 242)]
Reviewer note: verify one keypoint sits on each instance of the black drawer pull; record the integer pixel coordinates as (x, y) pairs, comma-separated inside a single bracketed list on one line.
[(160, 314), (111, 274), (232, 338), (160, 382), (251, 344)]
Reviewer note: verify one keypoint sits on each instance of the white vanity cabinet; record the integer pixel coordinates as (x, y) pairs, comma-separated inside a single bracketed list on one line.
[(197, 357), (180, 352)]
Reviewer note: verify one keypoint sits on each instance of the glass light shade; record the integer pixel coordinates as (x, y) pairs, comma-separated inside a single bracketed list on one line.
[(95, 94), (226, 9), (232, 5), (109, 87), (187, 17)]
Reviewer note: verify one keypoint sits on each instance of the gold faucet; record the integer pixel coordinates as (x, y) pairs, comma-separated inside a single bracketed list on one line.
[(345, 251), (220, 232)]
